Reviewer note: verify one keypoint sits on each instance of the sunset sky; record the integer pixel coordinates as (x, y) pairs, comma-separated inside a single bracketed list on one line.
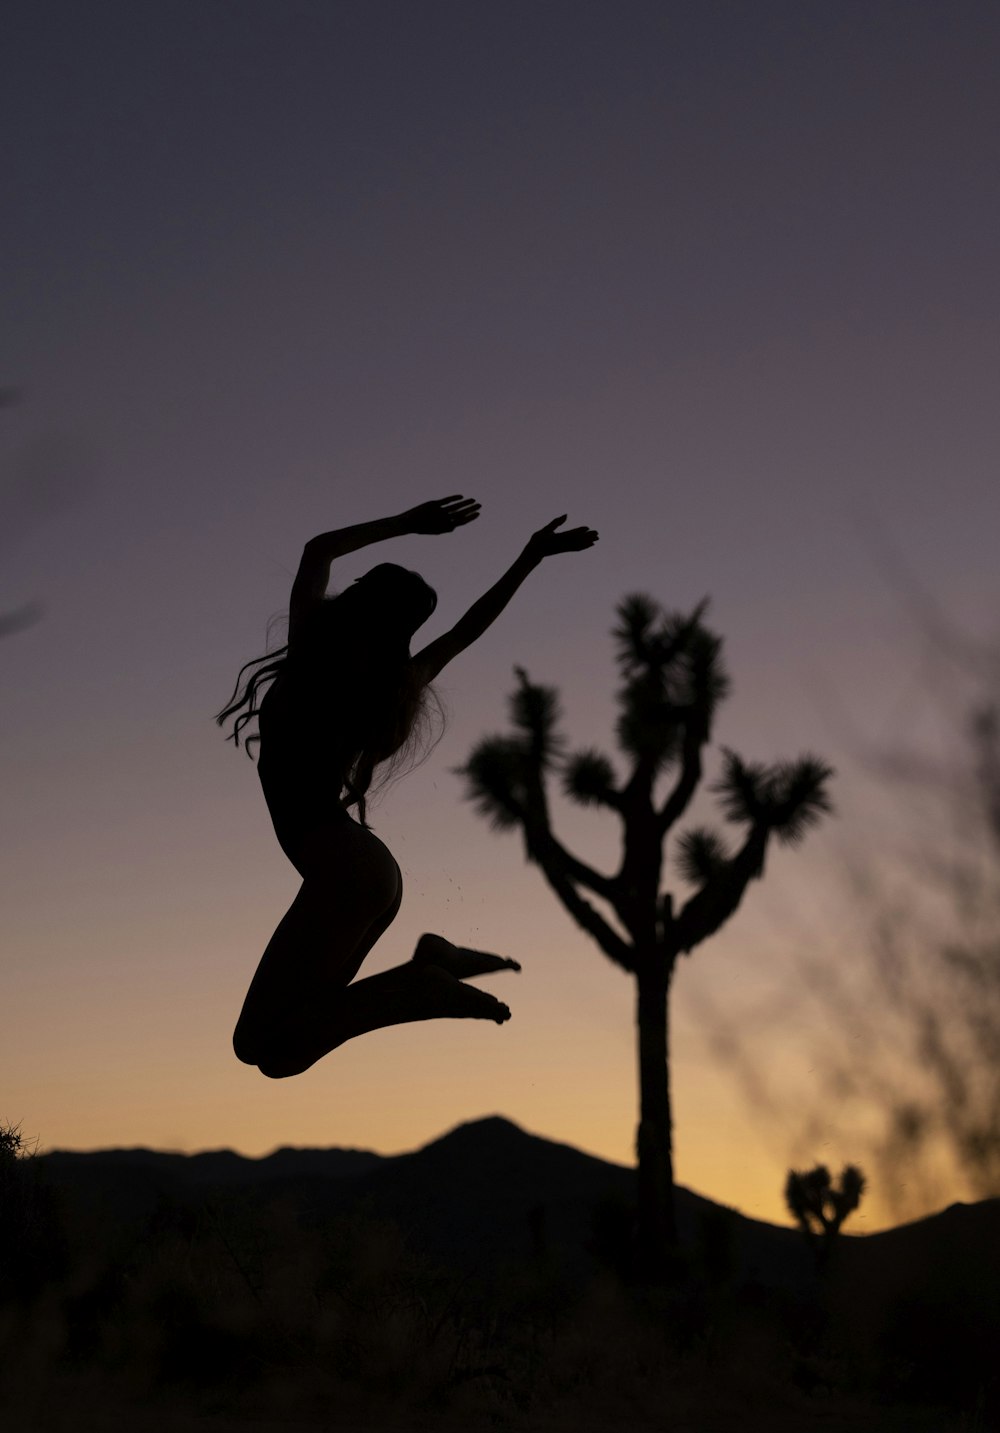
[(717, 279)]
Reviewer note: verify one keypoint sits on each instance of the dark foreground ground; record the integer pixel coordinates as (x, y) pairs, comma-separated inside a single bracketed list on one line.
[(141, 1301)]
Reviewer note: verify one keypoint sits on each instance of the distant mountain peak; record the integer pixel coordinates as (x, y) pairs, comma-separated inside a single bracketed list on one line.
[(491, 1125)]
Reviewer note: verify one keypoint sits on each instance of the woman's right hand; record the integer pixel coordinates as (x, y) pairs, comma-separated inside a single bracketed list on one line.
[(546, 541), (441, 514)]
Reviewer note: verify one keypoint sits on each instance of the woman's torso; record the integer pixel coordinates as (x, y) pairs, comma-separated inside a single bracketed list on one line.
[(303, 761)]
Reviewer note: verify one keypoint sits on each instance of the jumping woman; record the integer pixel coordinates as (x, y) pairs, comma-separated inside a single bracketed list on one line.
[(343, 698)]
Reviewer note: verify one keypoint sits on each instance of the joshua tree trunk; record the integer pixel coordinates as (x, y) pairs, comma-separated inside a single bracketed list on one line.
[(657, 1224)]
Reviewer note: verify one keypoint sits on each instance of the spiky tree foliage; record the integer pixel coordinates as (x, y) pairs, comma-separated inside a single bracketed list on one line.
[(672, 680), (820, 1207)]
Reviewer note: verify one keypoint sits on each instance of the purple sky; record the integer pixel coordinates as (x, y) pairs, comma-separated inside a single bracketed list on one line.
[(719, 280)]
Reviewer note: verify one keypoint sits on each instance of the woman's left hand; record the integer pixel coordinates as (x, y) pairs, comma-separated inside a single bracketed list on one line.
[(441, 515), (547, 541)]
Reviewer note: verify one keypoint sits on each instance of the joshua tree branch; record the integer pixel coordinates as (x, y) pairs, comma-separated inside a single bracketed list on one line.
[(544, 850), (638, 791), (578, 870), (712, 906), (678, 800), (544, 841)]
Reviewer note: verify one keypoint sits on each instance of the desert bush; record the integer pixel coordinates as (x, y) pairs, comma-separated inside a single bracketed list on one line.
[(32, 1249), (236, 1305)]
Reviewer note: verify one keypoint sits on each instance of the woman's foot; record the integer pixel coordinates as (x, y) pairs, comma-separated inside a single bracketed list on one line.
[(435, 992), (393, 997), (458, 960)]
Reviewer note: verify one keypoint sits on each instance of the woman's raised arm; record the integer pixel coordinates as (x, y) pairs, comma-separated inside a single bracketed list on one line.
[(544, 543), (313, 575)]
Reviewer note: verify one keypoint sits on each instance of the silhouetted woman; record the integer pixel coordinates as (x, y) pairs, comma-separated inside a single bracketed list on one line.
[(346, 697)]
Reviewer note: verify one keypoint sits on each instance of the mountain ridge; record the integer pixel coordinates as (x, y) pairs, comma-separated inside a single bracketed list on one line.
[(488, 1198), (226, 1165)]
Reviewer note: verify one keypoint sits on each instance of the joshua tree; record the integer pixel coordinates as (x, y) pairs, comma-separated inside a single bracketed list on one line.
[(820, 1208), (672, 681)]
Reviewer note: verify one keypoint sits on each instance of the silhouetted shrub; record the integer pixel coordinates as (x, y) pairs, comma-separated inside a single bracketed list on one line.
[(256, 1309), (32, 1250)]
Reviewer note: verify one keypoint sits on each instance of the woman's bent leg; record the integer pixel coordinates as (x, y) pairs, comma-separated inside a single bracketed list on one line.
[(301, 1005), (393, 997), (346, 901)]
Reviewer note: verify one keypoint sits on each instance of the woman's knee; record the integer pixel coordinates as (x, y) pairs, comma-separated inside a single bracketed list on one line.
[(275, 1068), (244, 1047), (274, 1064)]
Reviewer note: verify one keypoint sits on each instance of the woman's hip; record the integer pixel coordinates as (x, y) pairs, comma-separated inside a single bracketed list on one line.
[(342, 848)]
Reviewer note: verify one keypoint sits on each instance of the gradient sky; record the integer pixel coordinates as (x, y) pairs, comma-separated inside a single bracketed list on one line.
[(718, 279)]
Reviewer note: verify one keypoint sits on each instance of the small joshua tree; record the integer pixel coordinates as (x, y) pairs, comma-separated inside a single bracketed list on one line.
[(672, 682), (820, 1208)]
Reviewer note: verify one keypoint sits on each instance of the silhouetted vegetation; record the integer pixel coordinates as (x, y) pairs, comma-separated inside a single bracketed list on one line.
[(944, 982), (924, 1006), (31, 1245), (672, 682), (820, 1207), (293, 1303)]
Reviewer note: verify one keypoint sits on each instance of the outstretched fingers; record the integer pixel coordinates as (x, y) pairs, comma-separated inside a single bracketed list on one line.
[(440, 514), (459, 510), (549, 540), (577, 538)]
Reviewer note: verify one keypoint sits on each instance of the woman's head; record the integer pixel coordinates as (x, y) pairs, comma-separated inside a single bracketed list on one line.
[(369, 624), (352, 655), (394, 599)]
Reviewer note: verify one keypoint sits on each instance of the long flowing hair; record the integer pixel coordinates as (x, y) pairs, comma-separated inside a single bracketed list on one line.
[(351, 661)]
